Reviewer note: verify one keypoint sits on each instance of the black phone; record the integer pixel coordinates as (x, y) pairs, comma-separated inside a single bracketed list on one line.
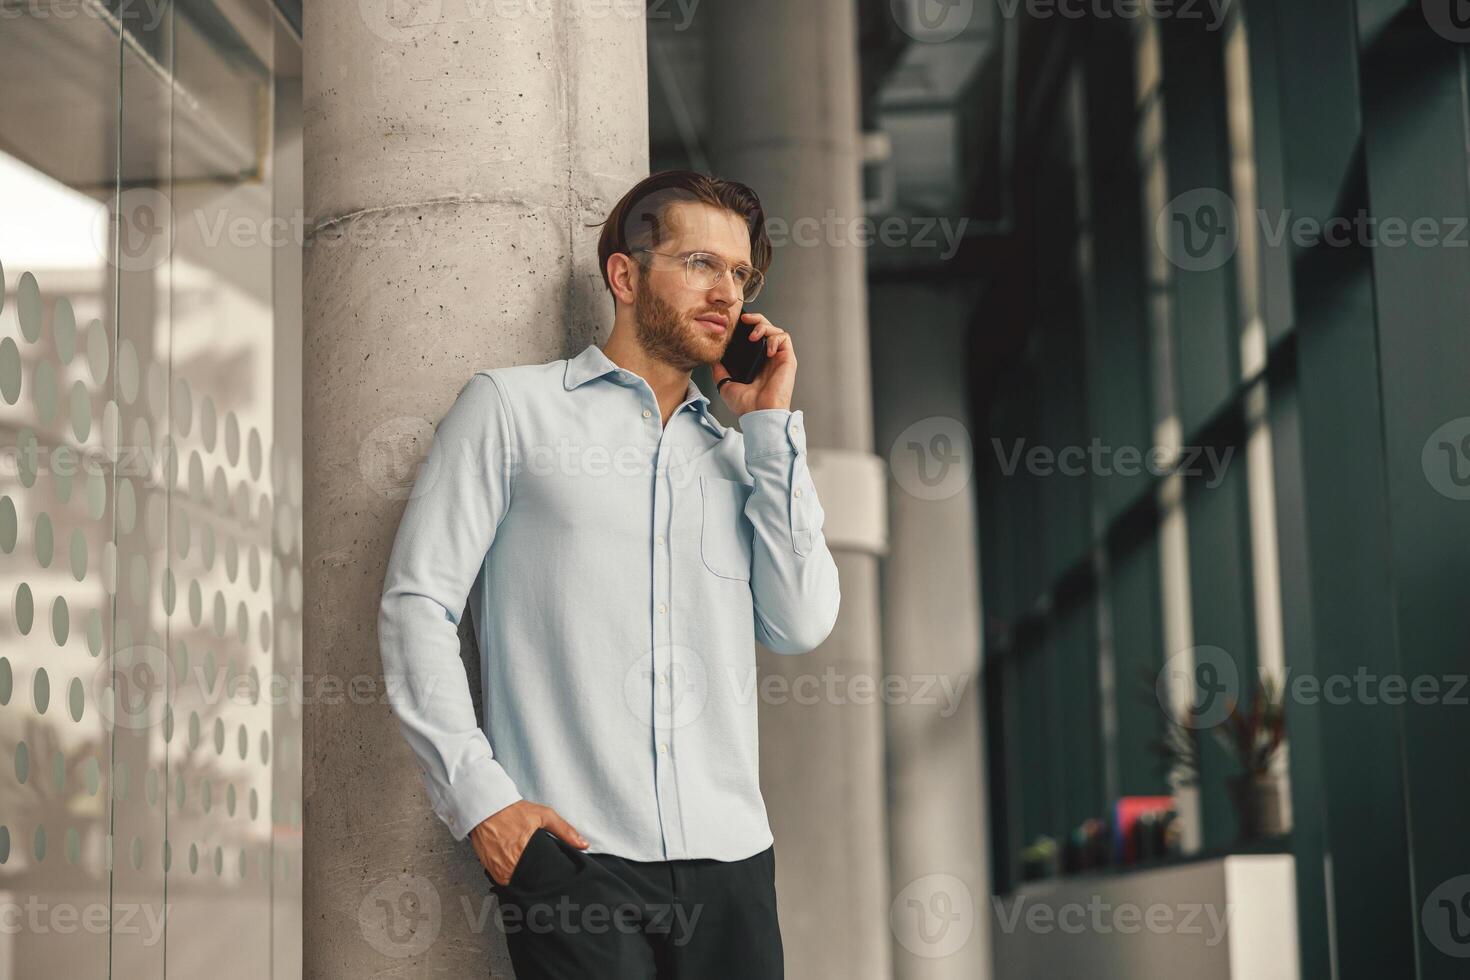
[(744, 358)]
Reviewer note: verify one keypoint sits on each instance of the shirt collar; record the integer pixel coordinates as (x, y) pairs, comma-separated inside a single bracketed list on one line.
[(593, 363)]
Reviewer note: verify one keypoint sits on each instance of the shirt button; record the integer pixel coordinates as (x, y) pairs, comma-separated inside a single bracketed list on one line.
[(663, 747), (663, 678), (659, 539), (662, 607), (646, 413), (797, 491)]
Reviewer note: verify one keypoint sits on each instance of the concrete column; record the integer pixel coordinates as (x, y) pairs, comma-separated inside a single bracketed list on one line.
[(455, 153), (931, 636), (782, 92)]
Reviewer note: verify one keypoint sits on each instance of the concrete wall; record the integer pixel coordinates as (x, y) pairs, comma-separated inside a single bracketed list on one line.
[(455, 155)]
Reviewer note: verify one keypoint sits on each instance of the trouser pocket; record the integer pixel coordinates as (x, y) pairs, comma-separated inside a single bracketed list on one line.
[(546, 864)]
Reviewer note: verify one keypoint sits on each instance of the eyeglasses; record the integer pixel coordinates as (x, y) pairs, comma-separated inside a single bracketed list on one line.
[(704, 270)]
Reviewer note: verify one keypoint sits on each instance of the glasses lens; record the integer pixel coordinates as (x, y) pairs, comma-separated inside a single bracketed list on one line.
[(704, 271)]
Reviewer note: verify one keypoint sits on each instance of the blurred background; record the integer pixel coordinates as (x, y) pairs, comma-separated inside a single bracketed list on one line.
[(1137, 384)]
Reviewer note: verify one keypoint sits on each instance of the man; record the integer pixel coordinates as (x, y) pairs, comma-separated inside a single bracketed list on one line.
[(621, 552)]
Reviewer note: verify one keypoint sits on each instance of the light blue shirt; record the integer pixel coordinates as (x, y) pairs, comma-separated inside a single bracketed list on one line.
[(619, 573)]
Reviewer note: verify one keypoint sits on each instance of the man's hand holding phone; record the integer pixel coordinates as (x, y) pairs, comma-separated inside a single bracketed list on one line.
[(771, 388), (500, 838)]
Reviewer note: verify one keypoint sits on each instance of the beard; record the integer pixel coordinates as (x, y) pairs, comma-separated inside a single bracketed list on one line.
[(669, 336)]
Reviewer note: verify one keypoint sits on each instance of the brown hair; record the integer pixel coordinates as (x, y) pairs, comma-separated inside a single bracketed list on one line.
[(637, 221)]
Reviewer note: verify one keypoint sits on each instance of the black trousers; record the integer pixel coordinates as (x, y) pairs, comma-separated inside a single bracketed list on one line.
[(570, 915)]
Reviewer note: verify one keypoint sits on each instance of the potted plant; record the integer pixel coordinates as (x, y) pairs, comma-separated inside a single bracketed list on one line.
[(1254, 735)]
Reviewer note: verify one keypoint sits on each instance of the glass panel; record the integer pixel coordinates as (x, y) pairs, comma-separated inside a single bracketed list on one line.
[(150, 533), (139, 666), (58, 182), (284, 438), (235, 534)]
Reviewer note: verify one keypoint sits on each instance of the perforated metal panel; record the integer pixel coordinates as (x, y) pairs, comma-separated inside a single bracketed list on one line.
[(150, 501)]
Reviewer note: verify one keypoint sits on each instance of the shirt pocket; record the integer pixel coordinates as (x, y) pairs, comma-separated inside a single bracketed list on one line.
[(725, 534)]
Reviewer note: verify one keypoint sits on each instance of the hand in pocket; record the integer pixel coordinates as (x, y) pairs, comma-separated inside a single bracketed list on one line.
[(502, 839)]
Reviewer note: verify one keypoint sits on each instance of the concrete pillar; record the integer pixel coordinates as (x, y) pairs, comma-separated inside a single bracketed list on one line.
[(931, 636), (782, 92), (455, 154)]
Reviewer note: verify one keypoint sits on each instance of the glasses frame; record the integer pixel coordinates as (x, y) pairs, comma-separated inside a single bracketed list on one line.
[(757, 280)]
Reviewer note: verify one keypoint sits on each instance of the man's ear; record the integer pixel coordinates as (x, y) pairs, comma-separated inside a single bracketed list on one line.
[(622, 275)]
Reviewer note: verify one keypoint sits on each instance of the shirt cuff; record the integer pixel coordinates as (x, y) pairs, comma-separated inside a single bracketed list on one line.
[(486, 789), (769, 431)]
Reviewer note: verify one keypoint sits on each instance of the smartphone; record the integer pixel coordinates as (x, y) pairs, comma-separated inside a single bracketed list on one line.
[(744, 358)]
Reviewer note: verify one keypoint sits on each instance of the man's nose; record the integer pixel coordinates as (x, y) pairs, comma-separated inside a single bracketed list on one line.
[(725, 289)]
